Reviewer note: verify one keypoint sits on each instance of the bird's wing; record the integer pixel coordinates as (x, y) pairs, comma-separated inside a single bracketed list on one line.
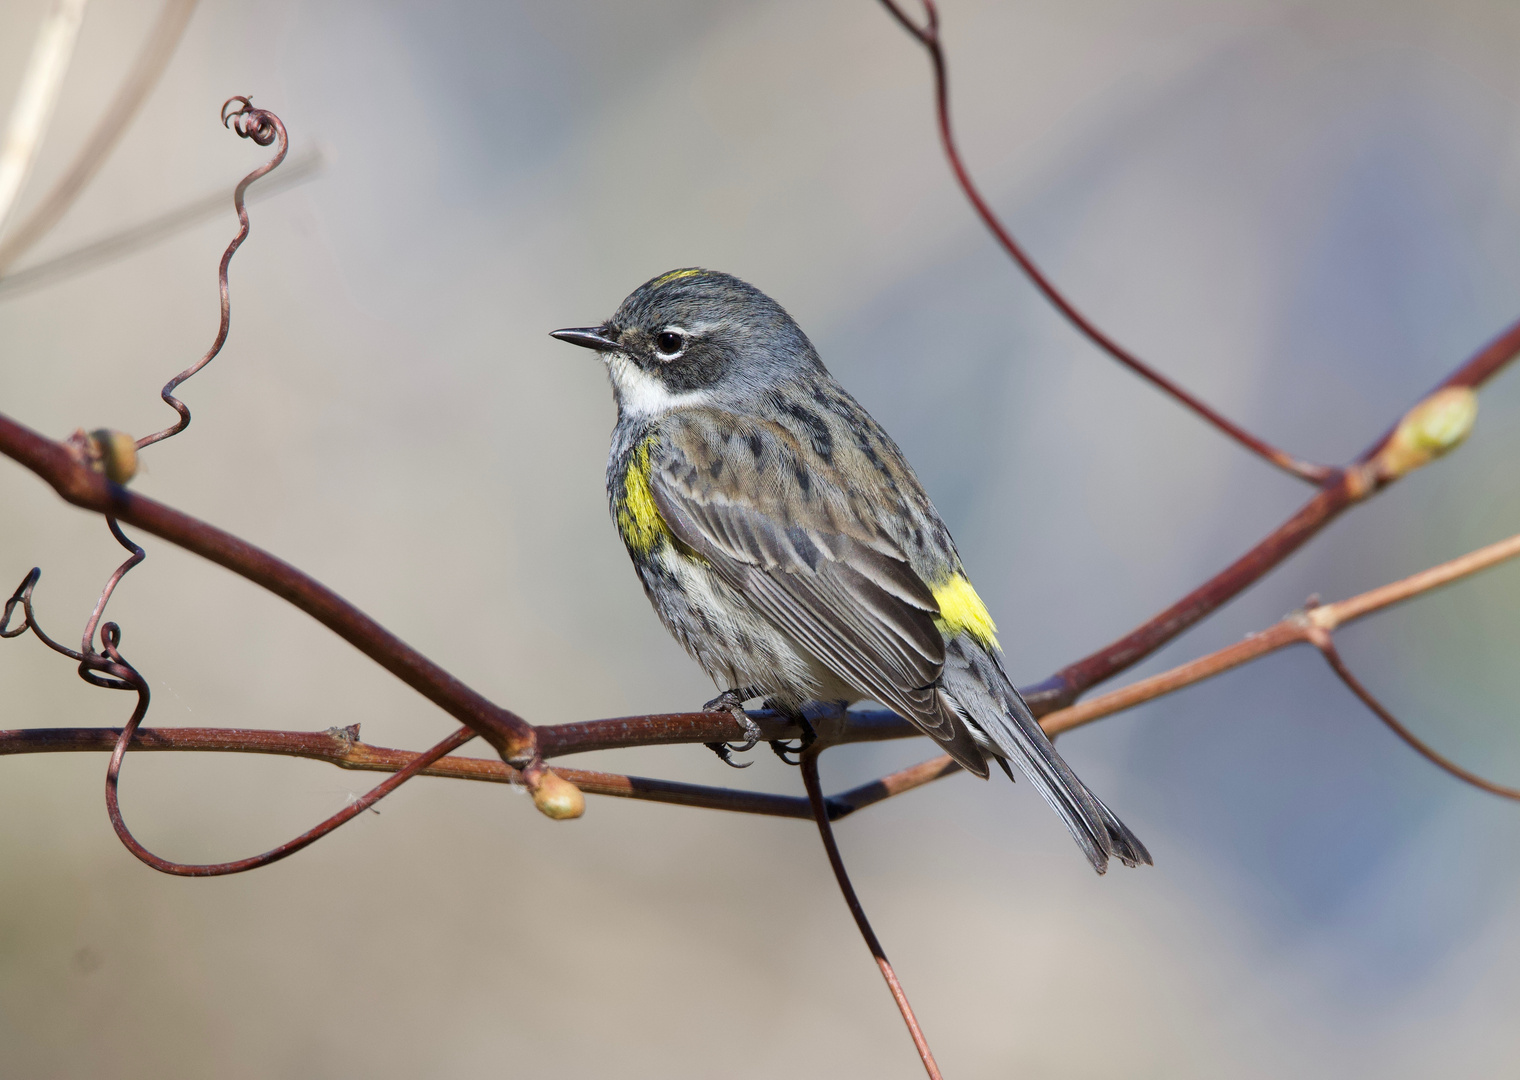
[(840, 589)]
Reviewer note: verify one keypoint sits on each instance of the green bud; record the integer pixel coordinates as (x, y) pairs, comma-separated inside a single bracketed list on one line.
[(1433, 427)]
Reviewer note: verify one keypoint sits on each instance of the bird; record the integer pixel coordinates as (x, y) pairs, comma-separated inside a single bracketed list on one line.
[(784, 540)]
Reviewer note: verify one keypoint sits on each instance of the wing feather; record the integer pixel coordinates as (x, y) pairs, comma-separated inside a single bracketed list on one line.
[(854, 602)]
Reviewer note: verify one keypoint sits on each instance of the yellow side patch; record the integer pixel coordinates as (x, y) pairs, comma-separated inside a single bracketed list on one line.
[(676, 275), (638, 518), (961, 611)]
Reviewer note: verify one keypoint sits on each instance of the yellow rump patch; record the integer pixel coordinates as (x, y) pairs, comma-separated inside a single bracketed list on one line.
[(638, 518), (676, 275), (961, 611)]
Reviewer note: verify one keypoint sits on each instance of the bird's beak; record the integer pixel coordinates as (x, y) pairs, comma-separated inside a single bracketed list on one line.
[(587, 337)]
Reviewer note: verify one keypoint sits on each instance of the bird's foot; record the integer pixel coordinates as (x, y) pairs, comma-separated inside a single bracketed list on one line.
[(782, 747), (732, 702)]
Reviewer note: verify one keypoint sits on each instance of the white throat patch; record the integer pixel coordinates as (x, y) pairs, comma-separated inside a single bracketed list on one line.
[(640, 394)]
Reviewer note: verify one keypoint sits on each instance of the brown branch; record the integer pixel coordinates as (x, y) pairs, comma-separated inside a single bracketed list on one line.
[(1312, 625), (1322, 641), (1374, 470), (150, 64), (660, 729), (342, 747), (1339, 488), (1294, 629), (927, 35), (507, 732), (826, 833), (914, 776), (84, 487)]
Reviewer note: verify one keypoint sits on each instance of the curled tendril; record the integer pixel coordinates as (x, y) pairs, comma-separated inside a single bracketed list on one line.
[(263, 127), (106, 667), (260, 125), (22, 598)]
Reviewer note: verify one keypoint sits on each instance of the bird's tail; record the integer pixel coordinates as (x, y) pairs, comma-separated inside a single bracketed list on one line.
[(975, 683)]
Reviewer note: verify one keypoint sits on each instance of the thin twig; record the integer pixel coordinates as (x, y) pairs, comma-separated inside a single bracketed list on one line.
[(927, 35), (79, 485), (1355, 484), (1290, 631), (150, 64), (342, 747), (1304, 626), (40, 83), (1322, 641), (290, 847), (914, 776), (826, 833)]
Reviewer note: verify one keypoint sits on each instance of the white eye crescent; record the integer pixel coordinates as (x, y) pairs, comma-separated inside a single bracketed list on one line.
[(669, 343)]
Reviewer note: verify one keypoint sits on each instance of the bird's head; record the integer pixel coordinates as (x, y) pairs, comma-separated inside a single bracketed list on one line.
[(695, 337)]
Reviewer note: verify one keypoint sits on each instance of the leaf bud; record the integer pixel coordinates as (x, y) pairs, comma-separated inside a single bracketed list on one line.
[(111, 452), (556, 797), (1433, 427)]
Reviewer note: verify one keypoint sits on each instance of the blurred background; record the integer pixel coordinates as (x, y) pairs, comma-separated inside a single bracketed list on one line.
[(1306, 212)]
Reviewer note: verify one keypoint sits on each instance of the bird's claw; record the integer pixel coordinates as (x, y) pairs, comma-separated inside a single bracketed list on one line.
[(725, 754), (782, 747), (731, 702)]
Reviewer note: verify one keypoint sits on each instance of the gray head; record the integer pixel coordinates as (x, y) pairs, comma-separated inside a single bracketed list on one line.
[(694, 337)]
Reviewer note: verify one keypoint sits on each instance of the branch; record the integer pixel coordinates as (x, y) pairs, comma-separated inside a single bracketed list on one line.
[(1417, 438), (76, 482), (1322, 641), (836, 861), (927, 35), (341, 746), (1296, 628), (1312, 625), (1339, 488)]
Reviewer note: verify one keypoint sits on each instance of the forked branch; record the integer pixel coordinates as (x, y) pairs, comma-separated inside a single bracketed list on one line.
[(342, 747), (89, 472), (927, 35)]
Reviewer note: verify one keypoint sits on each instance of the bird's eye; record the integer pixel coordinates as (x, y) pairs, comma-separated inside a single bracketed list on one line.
[(670, 343)]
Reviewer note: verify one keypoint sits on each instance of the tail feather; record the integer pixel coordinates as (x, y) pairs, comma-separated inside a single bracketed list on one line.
[(957, 739), (975, 682), (1123, 843)]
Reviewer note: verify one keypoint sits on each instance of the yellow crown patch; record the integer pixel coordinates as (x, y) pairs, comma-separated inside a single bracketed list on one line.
[(676, 275)]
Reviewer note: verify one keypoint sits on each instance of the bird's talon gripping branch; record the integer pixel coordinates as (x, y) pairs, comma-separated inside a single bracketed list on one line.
[(782, 747), (725, 755), (732, 702)]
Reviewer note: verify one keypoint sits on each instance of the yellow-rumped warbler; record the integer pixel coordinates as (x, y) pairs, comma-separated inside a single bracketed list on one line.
[(785, 542)]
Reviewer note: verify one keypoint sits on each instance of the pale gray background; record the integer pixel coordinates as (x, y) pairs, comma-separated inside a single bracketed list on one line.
[(1306, 212)]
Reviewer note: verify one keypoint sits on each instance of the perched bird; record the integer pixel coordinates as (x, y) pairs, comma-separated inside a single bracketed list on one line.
[(786, 543)]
